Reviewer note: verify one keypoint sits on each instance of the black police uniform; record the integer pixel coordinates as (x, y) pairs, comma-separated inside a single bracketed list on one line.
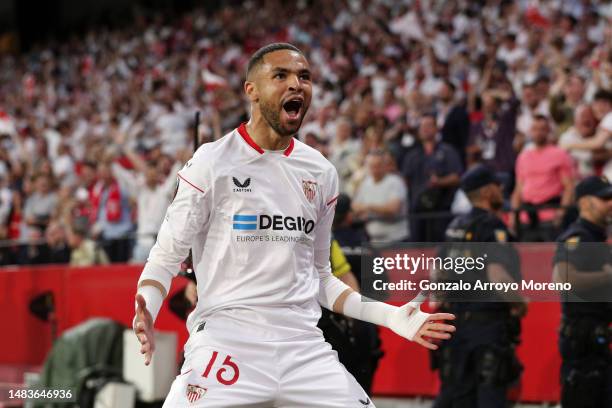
[(584, 339), (478, 363)]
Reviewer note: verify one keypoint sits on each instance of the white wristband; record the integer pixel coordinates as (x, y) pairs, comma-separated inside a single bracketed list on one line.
[(368, 310), (395, 318), (153, 297)]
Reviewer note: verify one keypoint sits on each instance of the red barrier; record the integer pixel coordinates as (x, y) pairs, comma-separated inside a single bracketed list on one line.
[(82, 293)]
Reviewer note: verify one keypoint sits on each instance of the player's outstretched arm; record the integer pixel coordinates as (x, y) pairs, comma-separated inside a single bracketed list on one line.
[(185, 218), (407, 321)]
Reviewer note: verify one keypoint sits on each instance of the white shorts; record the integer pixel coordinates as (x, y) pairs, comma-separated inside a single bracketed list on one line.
[(223, 369)]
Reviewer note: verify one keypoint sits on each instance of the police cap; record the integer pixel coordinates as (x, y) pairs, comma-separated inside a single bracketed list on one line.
[(594, 186), (477, 177)]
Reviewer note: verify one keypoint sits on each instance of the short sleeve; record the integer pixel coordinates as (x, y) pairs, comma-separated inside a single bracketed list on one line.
[(453, 161), (606, 122), (397, 188), (567, 165)]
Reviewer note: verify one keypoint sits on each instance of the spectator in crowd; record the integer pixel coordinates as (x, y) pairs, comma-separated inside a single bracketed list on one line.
[(344, 152), (602, 109), (583, 129), (6, 204), (544, 177), (532, 104), (348, 231), (492, 139), (112, 214), (380, 201), (55, 250), (152, 192), (84, 251), (453, 119), (380, 66), (39, 206), (432, 171), (566, 95)]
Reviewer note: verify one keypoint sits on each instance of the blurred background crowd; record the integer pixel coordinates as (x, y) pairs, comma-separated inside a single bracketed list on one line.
[(407, 96)]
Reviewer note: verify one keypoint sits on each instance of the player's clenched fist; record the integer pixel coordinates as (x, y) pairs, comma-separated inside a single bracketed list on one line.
[(143, 327)]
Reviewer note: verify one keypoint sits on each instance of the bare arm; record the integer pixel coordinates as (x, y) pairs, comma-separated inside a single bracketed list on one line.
[(515, 199), (388, 210), (568, 191), (137, 161), (450, 180), (594, 143)]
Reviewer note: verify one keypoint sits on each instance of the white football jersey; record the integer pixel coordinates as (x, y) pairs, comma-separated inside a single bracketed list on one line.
[(253, 220)]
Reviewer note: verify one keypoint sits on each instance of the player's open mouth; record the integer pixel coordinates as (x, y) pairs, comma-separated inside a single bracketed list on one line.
[(293, 108)]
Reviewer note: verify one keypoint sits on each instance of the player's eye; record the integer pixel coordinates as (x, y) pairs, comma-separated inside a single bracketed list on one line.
[(279, 75), (305, 77)]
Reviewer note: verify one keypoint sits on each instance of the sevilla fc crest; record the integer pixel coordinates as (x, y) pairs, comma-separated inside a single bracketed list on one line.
[(195, 392), (310, 189)]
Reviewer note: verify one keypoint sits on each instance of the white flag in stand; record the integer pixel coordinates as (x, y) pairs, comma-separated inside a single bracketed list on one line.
[(212, 81)]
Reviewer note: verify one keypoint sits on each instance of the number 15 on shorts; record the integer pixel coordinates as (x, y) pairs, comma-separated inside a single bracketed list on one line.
[(227, 374)]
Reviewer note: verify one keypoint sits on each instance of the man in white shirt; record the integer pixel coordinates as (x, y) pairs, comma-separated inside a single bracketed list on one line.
[(583, 129), (602, 109), (344, 152), (532, 105), (152, 196), (381, 201), (256, 208)]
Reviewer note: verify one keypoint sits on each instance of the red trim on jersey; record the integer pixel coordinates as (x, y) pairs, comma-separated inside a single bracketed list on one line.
[(332, 200), (191, 184), (289, 148), (247, 138)]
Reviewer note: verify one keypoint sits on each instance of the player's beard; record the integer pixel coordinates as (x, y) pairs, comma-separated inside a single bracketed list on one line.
[(272, 117)]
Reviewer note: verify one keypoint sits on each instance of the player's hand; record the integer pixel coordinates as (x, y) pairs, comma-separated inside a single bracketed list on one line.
[(143, 327), (409, 322)]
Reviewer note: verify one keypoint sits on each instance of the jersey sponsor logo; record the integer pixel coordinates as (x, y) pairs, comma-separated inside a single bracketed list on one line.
[(243, 222), (310, 189), (242, 187), (195, 392)]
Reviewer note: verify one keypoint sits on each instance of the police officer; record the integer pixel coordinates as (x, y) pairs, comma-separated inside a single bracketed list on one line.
[(584, 260), (478, 364)]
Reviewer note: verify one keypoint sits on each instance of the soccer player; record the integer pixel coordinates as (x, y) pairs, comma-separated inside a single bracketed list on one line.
[(256, 208)]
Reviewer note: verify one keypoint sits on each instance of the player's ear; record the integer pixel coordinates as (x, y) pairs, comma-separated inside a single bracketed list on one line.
[(251, 91)]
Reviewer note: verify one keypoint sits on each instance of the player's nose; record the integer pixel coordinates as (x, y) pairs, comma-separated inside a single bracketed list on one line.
[(294, 83)]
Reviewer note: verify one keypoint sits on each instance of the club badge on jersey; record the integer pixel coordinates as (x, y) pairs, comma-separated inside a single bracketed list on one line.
[(310, 189), (195, 392)]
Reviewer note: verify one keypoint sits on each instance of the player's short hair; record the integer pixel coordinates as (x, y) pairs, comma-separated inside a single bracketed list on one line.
[(257, 57)]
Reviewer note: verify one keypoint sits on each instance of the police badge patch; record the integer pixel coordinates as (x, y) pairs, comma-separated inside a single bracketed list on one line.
[(310, 189), (195, 392)]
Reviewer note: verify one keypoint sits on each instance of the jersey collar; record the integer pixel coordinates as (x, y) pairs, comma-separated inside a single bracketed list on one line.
[(242, 130)]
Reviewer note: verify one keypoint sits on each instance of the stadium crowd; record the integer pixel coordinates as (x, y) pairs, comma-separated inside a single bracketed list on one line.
[(408, 94)]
